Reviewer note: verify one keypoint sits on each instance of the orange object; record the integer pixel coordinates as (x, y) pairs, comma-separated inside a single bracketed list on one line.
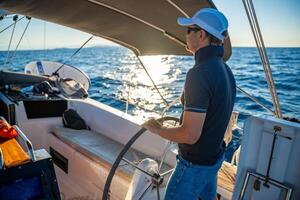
[(13, 154), (6, 131)]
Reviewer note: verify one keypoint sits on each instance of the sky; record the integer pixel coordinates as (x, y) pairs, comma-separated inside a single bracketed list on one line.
[(279, 21)]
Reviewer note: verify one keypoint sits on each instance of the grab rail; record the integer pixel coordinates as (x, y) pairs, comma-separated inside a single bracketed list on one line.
[(1, 159), (27, 142), (24, 138)]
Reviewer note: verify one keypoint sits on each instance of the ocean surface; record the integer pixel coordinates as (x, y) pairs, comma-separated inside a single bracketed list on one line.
[(117, 77)]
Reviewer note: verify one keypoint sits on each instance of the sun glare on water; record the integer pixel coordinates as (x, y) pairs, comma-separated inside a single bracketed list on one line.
[(140, 90)]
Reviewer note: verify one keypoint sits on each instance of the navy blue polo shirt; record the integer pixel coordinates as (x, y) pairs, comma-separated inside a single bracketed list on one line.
[(209, 88)]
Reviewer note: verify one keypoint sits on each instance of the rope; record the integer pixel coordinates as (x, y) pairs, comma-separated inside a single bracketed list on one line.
[(12, 34), (29, 20), (55, 73)]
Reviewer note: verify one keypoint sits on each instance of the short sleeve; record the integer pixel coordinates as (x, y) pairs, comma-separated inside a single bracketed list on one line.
[(196, 91)]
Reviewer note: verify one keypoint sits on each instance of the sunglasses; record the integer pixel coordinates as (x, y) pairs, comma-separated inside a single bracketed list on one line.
[(190, 29)]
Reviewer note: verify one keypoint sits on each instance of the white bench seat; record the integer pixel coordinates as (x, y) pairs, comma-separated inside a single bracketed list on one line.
[(97, 147)]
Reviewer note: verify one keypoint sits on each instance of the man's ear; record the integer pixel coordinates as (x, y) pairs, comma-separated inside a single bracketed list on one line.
[(202, 35)]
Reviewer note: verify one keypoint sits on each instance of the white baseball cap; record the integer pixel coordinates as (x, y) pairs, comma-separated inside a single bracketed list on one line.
[(209, 19)]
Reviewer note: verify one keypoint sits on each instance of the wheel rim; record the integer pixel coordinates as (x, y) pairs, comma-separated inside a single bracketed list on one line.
[(156, 177)]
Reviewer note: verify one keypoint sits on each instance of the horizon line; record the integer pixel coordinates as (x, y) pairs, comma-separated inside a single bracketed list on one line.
[(109, 45)]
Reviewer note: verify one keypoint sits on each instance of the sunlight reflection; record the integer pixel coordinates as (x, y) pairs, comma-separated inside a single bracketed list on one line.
[(158, 68), (139, 87)]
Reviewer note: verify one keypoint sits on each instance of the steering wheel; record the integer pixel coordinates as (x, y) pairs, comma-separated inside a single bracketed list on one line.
[(157, 178)]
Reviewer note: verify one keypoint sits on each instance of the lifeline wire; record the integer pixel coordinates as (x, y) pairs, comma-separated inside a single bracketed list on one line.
[(240, 89), (255, 100), (11, 25), (11, 58), (169, 105), (155, 86), (55, 73), (12, 34)]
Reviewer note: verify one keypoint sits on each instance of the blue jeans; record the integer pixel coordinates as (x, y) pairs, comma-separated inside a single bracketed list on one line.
[(190, 181)]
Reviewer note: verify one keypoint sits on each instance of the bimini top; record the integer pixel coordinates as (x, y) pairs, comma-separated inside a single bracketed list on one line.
[(148, 27)]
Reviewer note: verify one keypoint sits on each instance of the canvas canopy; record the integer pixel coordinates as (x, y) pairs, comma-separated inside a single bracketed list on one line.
[(148, 27)]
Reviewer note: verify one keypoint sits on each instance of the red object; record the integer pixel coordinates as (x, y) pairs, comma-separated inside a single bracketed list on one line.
[(6, 131)]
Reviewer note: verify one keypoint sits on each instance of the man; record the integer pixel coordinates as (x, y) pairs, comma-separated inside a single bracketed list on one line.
[(208, 98)]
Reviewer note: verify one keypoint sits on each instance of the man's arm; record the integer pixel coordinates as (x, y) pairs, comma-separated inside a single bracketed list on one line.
[(189, 132)]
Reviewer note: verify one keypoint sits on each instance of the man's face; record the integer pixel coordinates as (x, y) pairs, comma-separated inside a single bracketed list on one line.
[(194, 38)]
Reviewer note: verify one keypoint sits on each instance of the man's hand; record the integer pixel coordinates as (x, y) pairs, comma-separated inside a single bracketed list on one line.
[(188, 132), (152, 125)]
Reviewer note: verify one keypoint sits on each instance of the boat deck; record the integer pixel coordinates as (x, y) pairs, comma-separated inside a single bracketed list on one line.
[(226, 178)]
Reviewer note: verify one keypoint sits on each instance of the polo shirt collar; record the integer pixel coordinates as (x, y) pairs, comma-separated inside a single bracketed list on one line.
[(208, 52)]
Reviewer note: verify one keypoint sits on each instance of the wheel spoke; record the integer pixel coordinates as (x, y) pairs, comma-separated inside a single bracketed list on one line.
[(163, 156), (120, 156), (165, 151), (167, 172), (137, 167), (145, 191), (157, 190)]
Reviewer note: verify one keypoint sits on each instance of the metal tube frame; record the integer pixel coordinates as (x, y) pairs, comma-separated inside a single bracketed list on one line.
[(27, 142), (263, 178), (1, 159)]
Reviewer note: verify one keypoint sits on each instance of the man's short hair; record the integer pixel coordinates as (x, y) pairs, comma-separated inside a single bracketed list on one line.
[(212, 39), (216, 41)]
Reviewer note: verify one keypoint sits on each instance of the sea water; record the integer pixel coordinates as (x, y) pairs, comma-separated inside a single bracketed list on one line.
[(117, 77)]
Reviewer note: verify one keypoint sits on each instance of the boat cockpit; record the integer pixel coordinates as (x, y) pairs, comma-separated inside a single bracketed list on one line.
[(112, 157)]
